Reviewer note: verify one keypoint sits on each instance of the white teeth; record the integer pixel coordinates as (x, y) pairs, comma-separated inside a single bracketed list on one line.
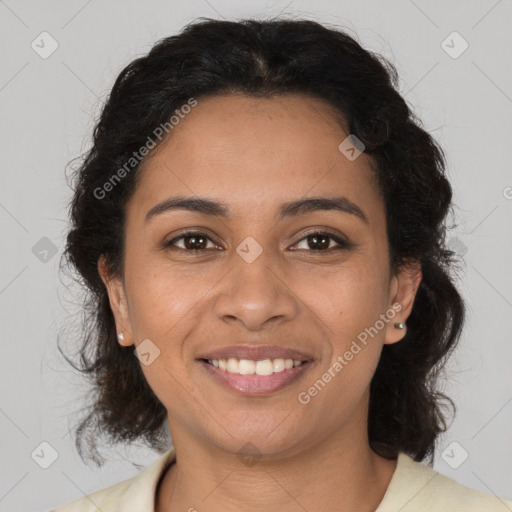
[(265, 367), (278, 365), (246, 367), (233, 365), (249, 367)]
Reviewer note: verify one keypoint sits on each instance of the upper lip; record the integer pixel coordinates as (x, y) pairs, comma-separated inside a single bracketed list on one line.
[(255, 353)]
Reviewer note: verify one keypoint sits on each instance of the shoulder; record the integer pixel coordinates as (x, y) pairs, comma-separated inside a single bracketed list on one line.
[(137, 493), (416, 486), (104, 499)]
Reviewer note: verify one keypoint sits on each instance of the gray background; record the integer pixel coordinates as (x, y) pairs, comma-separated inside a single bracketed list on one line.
[(47, 111)]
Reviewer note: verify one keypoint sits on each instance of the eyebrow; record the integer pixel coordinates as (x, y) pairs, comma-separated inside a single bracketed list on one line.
[(295, 208)]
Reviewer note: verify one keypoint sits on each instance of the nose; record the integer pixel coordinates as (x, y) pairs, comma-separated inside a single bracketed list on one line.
[(255, 294)]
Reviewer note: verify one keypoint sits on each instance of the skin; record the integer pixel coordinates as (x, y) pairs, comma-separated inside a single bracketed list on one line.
[(255, 154)]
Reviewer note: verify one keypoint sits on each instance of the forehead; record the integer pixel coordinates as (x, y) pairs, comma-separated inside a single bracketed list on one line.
[(253, 152)]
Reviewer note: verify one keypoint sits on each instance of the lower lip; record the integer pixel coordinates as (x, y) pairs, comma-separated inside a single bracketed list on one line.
[(254, 385)]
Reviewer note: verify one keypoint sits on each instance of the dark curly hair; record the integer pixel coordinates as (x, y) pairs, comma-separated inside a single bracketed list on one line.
[(264, 58)]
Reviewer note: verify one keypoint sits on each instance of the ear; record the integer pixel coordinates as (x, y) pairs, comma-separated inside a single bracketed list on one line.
[(403, 288), (118, 302)]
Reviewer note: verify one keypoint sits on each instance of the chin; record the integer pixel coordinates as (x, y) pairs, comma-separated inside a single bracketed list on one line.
[(260, 436)]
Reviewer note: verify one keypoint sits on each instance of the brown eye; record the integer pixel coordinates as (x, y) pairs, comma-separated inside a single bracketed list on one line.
[(321, 242), (192, 241)]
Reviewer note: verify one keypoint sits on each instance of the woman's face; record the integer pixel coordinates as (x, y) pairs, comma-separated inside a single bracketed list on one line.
[(258, 276)]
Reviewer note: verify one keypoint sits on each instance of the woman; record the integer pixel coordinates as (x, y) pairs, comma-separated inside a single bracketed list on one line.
[(261, 224)]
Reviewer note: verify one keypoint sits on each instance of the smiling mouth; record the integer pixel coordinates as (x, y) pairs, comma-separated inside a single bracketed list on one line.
[(251, 367), (255, 378)]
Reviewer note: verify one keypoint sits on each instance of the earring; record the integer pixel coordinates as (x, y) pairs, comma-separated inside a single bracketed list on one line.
[(400, 326), (120, 336)]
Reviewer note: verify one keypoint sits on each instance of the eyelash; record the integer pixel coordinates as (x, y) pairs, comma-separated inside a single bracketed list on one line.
[(343, 244)]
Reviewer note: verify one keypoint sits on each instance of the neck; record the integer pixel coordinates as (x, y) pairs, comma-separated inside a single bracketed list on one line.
[(335, 474)]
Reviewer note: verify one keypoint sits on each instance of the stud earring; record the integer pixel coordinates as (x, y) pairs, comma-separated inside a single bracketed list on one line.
[(120, 336), (400, 326)]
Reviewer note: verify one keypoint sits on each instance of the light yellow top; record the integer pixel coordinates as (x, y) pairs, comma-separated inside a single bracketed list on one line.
[(414, 487)]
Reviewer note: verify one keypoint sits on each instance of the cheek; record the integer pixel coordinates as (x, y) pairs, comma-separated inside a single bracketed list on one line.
[(351, 303), (349, 299), (340, 384), (162, 299), (164, 308)]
